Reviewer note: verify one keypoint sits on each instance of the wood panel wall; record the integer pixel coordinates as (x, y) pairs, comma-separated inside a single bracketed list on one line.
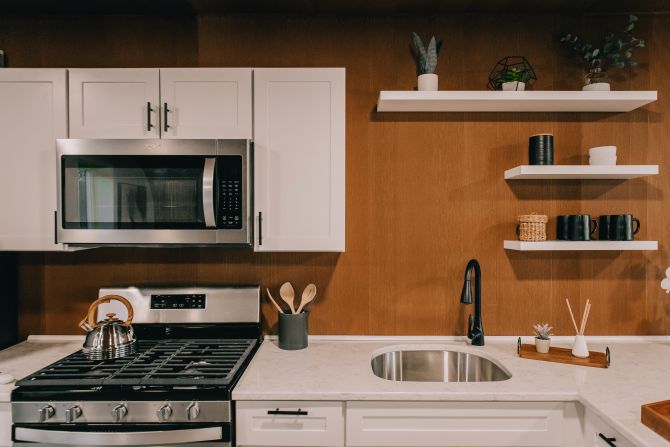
[(425, 192)]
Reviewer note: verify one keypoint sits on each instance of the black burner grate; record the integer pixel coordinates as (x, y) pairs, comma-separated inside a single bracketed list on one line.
[(187, 363)]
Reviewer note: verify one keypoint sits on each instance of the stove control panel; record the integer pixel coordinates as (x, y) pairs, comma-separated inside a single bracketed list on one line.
[(125, 412), (179, 301)]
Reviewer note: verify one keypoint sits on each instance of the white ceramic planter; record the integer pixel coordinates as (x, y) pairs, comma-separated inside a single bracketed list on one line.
[(597, 87), (427, 82), (514, 86), (542, 346)]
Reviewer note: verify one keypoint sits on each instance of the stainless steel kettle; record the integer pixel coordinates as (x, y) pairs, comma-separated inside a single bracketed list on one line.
[(110, 338)]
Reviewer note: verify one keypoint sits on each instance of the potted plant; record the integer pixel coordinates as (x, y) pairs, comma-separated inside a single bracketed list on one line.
[(512, 73), (514, 79), (542, 337), (426, 62), (612, 50)]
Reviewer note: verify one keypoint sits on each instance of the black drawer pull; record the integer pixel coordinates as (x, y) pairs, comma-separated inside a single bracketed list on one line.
[(609, 441), (287, 412)]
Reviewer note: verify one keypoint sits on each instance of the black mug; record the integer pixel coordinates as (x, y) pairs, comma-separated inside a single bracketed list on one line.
[(575, 227), (541, 149), (618, 227)]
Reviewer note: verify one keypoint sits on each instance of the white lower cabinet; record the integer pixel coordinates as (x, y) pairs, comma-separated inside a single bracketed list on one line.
[(501, 424), (595, 430), (5, 424), (405, 424), (290, 423)]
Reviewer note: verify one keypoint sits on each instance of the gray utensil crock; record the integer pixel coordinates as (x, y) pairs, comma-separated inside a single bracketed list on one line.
[(293, 331)]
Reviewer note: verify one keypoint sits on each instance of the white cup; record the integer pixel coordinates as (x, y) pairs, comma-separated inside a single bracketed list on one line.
[(598, 160), (603, 150)]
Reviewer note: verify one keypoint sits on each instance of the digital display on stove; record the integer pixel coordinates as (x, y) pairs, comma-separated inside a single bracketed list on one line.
[(179, 301)]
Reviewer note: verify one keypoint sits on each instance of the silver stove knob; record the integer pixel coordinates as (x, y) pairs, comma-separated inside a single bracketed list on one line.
[(164, 412), (119, 412), (192, 411), (72, 413), (46, 412)]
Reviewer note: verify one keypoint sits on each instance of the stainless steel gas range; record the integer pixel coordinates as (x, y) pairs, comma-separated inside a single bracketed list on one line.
[(194, 344)]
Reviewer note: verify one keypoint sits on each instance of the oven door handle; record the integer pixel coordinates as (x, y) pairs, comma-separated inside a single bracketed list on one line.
[(208, 192), (136, 438)]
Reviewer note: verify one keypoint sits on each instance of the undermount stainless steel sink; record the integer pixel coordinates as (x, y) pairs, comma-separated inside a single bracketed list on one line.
[(436, 366)]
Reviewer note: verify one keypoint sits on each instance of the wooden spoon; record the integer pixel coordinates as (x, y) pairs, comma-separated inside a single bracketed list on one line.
[(287, 293), (281, 311), (307, 296)]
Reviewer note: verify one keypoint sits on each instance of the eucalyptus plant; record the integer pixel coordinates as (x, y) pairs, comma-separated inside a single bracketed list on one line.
[(613, 49), (426, 58)]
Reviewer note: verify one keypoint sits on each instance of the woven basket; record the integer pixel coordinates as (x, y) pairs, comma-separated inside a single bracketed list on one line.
[(532, 227)]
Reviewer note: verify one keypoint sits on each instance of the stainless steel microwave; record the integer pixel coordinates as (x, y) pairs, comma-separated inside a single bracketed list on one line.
[(153, 192)]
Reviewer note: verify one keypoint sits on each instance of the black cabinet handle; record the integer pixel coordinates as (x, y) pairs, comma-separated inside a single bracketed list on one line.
[(166, 126), (149, 110), (300, 412), (609, 441), (260, 228), (55, 227)]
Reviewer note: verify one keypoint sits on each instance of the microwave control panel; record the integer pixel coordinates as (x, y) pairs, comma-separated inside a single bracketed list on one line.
[(229, 174)]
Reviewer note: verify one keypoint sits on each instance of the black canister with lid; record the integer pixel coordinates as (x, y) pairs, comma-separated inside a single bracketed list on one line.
[(541, 149)]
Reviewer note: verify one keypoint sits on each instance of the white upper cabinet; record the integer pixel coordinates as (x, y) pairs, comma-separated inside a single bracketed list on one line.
[(299, 159), (33, 113), (114, 103), (160, 103), (206, 103)]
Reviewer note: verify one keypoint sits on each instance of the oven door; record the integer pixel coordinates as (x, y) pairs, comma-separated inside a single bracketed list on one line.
[(125, 435), (123, 192)]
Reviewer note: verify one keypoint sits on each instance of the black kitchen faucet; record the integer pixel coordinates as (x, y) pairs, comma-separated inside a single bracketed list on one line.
[(475, 329)]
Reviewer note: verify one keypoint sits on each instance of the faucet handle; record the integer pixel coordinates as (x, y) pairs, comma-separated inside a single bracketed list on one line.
[(471, 325)]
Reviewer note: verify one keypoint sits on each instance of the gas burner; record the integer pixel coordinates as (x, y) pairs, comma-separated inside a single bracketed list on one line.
[(157, 363)]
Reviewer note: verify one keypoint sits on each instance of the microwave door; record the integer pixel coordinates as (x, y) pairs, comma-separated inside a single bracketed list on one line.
[(208, 192)]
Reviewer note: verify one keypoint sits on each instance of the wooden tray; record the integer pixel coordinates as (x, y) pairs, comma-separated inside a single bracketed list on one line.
[(657, 417), (564, 355)]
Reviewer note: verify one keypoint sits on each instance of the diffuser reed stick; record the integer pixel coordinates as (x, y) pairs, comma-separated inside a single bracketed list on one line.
[(574, 323), (585, 317)]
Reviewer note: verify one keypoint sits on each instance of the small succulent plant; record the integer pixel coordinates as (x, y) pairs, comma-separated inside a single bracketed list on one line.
[(617, 51), (542, 331), (513, 75), (426, 58)]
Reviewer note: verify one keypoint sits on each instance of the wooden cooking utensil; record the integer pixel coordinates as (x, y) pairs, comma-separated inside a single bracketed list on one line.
[(307, 297), (281, 311), (287, 294)]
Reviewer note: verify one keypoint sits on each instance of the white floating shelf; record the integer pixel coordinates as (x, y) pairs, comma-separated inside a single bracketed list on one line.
[(581, 245), (526, 101), (535, 172)]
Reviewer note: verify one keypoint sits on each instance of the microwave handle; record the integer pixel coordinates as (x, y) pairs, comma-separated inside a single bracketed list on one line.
[(208, 192)]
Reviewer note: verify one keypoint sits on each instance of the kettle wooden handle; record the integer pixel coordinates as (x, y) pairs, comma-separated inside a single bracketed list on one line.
[(90, 315)]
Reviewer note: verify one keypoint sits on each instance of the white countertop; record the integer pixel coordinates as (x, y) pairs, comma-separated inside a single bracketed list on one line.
[(338, 368), (37, 352)]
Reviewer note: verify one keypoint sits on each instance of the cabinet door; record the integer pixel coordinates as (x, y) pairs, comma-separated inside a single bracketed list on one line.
[(114, 103), (299, 152), (33, 113), (206, 102), (290, 423), (595, 429), (457, 424), (5, 424)]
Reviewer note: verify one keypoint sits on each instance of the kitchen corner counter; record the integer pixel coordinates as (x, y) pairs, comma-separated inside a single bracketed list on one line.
[(33, 354), (338, 368)]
